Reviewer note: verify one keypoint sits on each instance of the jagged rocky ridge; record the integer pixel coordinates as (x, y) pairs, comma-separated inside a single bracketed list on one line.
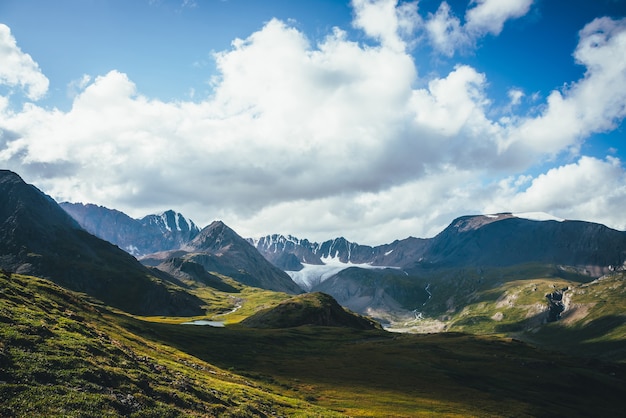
[(177, 246), (290, 253), (482, 240), (153, 233)]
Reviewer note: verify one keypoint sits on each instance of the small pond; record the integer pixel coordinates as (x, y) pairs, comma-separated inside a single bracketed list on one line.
[(204, 322)]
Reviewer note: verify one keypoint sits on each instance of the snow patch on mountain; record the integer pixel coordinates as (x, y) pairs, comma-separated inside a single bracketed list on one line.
[(313, 274), (538, 216), (132, 250), (164, 221)]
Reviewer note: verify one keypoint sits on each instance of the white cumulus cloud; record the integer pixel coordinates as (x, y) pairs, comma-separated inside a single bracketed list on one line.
[(489, 16), (596, 103), (19, 69), (448, 34), (332, 136)]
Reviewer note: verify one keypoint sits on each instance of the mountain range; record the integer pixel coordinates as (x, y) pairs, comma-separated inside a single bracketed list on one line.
[(406, 278), (219, 249), (482, 240), (166, 231)]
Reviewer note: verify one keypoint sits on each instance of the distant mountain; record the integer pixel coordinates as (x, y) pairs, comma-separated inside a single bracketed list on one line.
[(39, 238), (483, 240), (506, 239), (278, 249), (310, 263), (153, 233), (442, 274), (375, 292), (218, 249), (308, 309)]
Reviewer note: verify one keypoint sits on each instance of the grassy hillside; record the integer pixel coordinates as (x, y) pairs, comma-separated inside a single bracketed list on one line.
[(380, 374), (308, 309), (63, 356), (495, 302)]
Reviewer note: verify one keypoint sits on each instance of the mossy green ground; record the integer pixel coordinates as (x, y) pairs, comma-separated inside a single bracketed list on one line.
[(64, 355), (61, 356)]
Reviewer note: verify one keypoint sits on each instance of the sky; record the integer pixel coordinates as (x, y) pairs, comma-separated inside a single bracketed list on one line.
[(374, 120)]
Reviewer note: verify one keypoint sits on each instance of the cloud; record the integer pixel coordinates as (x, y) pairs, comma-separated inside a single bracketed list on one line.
[(448, 34), (445, 31), (515, 95), (596, 103), (488, 16), (587, 189), (76, 86), (327, 136), (18, 68), (387, 21)]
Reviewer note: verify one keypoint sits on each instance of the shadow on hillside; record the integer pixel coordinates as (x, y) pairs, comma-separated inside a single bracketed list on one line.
[(592, 339)]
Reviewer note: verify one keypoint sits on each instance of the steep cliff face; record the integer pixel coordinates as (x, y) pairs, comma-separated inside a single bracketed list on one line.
[(39, 238)]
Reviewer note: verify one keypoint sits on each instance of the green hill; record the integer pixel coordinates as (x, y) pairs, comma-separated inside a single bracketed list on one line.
[(308, 309)]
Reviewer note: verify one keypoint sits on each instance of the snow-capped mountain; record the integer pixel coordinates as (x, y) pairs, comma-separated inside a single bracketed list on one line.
[(170, 221), (479, 240), (338, 250), (166, 231), (310, 263)]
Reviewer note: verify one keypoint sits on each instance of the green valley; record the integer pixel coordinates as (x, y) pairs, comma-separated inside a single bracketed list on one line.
[(65, 354)]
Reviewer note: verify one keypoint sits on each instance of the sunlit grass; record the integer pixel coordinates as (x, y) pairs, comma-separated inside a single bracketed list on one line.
[(228, 307), (60, 356), (63, 356)]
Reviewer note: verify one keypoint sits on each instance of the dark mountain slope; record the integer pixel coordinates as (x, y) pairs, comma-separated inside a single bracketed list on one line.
[(308, 309), (506, 240), (39, 238), (375, 291), (153, 233), (219, 249), (483, 240)]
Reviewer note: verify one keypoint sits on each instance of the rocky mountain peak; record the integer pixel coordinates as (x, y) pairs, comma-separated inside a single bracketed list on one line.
[(171, 222), (215, 237), (153, 233), (473, 222), (8, 176)]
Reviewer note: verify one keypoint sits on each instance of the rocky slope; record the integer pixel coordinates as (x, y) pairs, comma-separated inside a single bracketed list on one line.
[(218, 249), (166, 231), (482, 240), (39, 238), (290, 253), (506, 240)]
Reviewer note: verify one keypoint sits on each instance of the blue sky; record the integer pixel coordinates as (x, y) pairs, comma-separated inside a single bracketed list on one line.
[(370, 119)]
